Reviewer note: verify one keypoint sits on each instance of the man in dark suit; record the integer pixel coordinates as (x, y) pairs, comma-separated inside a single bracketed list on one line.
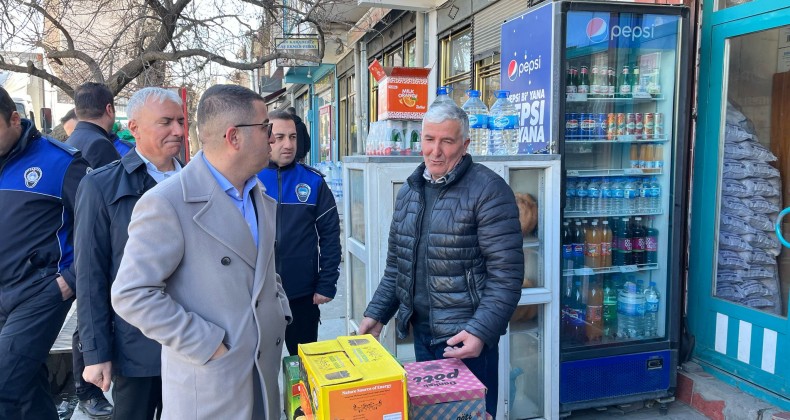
[(93, 104)]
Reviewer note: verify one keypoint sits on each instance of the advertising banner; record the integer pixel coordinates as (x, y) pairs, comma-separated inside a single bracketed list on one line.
[(527, 72)]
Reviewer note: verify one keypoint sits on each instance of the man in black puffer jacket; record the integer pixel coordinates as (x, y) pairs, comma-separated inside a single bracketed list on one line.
[(455, 262)]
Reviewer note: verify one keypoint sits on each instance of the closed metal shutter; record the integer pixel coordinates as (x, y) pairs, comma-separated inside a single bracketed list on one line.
[(488, 24)]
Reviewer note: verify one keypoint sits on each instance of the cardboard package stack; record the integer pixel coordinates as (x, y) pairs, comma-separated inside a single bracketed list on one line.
[(402, 102), (444, 389), (351, 377)]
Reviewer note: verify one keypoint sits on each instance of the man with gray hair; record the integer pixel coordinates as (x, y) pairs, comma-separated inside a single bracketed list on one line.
[(455, 262), (112, 348), (207, 291)]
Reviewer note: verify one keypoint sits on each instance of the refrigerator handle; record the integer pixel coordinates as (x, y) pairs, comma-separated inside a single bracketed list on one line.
[(779, 227)]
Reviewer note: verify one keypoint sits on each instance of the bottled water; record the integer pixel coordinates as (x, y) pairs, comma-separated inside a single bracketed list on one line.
[(503, 126), (478, 123), (629, 196), (655, 195), (581, 194), (593, 196), (618, 195), (652, 299), (606, 196), (442, 97), (630, 312), (643, 202), (570, 194)]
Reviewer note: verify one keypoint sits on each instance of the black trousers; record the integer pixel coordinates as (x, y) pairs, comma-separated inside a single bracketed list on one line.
[(84, 390), (304, 326), (28, 329), (137, 398)]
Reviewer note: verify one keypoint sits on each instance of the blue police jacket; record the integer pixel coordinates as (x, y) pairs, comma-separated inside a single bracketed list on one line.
[(38, 185), (307, 247)]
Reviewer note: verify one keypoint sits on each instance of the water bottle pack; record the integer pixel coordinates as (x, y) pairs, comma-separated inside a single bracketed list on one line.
[(631, 312)]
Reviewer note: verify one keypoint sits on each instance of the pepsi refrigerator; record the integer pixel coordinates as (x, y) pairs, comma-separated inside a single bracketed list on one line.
[(606, 85)]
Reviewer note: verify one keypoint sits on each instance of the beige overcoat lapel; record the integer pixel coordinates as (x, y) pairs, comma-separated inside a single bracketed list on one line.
[(214, 217)]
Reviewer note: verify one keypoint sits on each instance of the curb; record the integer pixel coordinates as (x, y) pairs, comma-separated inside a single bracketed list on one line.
[(717, 400)]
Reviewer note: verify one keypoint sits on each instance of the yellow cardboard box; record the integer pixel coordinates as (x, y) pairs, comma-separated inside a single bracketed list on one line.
[(353, 378)]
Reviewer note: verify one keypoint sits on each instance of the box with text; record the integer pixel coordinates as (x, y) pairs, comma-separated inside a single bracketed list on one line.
[(353, 378), (444, 389)]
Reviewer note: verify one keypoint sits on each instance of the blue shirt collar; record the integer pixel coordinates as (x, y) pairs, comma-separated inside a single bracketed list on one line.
[(227, 186)]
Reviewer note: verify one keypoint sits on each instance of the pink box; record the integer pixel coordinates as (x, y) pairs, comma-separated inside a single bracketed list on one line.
[(446, 388)]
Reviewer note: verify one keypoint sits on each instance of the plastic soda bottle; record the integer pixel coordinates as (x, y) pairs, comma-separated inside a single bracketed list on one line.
[(577, 313), (477, 111), (609, 309), (592, 257), (638, 242), (651, 245), (567, 246), (578, 245), (503, 126), (594, 315), (606, 244), (652, 300)]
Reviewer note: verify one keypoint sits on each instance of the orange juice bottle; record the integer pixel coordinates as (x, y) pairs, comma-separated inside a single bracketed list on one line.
[(606, 245), (645, 158), (592, 257), (658, 156), (635, 156)]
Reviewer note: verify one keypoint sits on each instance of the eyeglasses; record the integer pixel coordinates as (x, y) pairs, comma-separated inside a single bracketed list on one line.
[(267, 127)]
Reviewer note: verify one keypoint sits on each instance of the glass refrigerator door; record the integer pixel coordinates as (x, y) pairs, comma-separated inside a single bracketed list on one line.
[(620, 113)]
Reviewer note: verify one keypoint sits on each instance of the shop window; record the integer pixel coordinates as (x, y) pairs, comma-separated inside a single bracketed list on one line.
[(410, 51), (373, 99), (348, 127), (394, 58), (487, 78), (752, 267), (456, 64), (723, 4)]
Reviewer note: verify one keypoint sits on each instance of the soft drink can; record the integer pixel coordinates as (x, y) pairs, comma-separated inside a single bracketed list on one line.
[(639, 126), (600, 126), (572, 124), (621, 124), (649, 125), (611, 126), (630, 123), (587, 125), (658, 129)]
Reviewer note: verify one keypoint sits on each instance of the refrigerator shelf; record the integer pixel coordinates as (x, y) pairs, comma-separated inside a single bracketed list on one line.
[(587, 271), (585, 214), (639, 98), (613, 172), (625, 139)]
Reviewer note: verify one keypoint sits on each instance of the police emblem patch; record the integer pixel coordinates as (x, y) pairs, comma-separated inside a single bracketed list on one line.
[(32, 176), (302, 192)]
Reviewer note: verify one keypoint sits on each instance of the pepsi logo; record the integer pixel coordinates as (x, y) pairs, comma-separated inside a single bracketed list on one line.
[(597, 30), (512, 70)]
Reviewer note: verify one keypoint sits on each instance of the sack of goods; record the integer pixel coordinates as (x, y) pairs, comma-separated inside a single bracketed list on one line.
[(444, 389), (351, 377)]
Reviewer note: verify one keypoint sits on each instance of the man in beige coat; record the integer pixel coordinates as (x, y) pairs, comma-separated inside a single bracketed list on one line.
[(198, 270)]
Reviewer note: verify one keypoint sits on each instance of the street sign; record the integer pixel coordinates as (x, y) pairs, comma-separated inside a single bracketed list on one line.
[(303, 44)]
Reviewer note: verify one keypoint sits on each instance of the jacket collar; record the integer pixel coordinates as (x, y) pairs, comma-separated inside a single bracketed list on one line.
[(274, 166), (132, 185), (416, 179), (86, 125), (29, 132)]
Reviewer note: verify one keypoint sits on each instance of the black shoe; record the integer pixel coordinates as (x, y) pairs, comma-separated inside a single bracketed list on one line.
[(97, 408)]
